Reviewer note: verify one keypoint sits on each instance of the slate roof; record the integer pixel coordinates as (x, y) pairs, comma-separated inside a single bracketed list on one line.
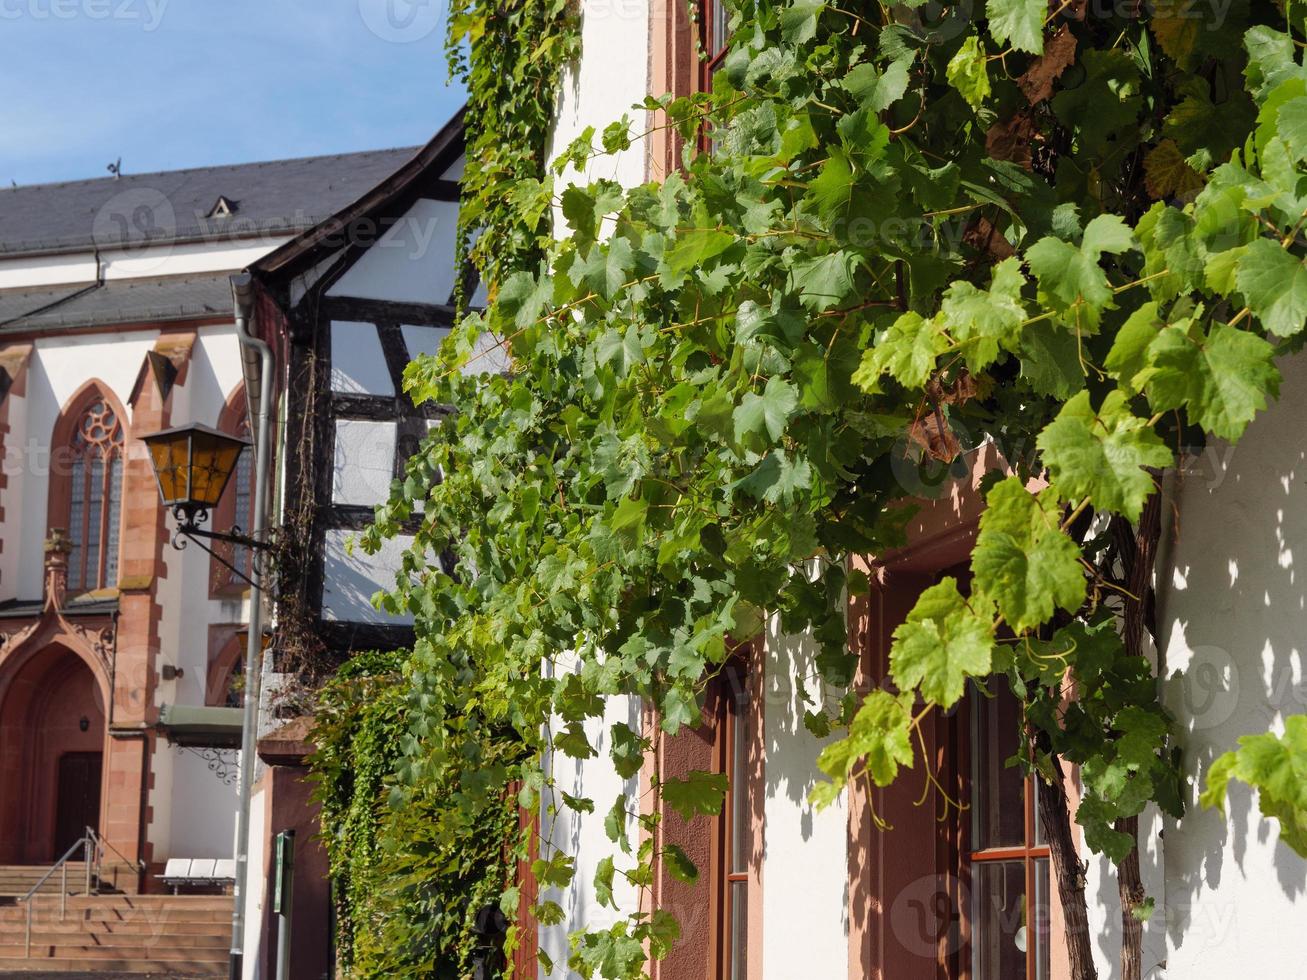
[(118, 301), (90, 604), (281, 197)]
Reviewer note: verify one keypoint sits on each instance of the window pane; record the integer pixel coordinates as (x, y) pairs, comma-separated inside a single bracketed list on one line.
[(739, 781), (1042, 914), (998, 790), (999, 934), (115, 506), (739, 930), (717, 26), (94, 504), (244, 480), (1036, 788), (77, 524)]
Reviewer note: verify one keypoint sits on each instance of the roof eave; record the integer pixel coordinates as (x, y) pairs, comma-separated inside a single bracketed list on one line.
[(301, 251)]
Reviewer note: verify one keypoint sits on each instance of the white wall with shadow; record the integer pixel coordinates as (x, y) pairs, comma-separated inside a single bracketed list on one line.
[(1232, 615)]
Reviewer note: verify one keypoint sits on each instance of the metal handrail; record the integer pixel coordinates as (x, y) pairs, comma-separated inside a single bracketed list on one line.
[(101, 845), (85, 842)]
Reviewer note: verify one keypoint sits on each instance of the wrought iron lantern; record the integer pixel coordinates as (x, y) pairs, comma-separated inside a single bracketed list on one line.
[(193, 465)]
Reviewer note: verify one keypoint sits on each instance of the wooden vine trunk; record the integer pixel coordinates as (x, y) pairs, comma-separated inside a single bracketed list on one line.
[(1068, 873), (1131, 890), (1137, 549)]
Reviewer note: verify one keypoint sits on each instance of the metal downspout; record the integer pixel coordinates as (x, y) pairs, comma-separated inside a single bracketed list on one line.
[(242, 293)]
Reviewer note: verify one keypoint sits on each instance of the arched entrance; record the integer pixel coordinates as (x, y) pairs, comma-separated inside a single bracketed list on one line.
[(52, 732)]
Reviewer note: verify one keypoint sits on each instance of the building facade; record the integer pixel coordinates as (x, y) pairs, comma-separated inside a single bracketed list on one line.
[(786, 891), (116, 321)]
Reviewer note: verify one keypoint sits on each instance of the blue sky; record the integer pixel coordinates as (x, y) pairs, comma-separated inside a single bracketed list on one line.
[(179, 83)]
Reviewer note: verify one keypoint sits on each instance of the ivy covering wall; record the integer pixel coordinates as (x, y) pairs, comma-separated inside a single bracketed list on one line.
[(408, 873)]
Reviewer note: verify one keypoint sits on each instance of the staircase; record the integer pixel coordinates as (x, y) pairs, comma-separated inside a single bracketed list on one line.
[(175, 935)]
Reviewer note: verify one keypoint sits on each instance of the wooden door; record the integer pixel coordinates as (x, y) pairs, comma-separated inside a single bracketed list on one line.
[(78, 802)]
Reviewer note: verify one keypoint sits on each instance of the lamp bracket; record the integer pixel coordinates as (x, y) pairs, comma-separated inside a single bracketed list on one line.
[(188, 521)]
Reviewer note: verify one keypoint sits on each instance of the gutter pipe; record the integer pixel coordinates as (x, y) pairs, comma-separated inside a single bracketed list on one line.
[(254, 350)]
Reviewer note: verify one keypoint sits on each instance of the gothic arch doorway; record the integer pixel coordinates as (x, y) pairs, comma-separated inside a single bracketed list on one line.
[(52, 734)]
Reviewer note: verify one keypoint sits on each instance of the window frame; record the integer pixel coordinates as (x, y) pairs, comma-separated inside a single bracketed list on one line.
[(735, 718), (1030, 852), (710, 15)]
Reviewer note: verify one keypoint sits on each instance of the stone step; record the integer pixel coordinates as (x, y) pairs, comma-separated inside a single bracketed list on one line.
[(122, 968), (182, 945), (162, 953), (152, 968), (18, 880), (72, 925), (136, 901)]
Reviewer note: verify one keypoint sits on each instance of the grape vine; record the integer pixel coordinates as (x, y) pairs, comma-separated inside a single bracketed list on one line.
[(1057, 226)]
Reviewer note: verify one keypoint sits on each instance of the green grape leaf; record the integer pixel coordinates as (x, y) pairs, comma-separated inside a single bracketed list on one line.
[(1019, 22), (1071, 281), (1128, 357), (1101, 455), (1022, 559), (1222, 380), (799, 21), (906, 352), (880, 737), (766, 413), (1274, 284), (680, 865), (695, 247), (696, 794), (1276, 766), (603, 882), (942, 643), (968, 73), (984, 322)]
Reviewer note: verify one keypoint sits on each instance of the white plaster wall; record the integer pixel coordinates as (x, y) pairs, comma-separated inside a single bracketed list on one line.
[(805, 927), (611, 76), (16, 492), (168, 260), (194, 814), (203, 808), (455, 171), (423, 340), (59, 366), (190, 807), (255, 885), (1234, 616), (351, 577), (364, 462), (358, 366), (583, 836), (413, 262)]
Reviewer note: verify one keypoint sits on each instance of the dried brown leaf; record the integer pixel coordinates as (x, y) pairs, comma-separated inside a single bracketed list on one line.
[(1011, 139), (984, 237), (1167, 175), (1059, 54)]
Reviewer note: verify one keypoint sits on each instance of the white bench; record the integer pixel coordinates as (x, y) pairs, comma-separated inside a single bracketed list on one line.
[(197, 872)]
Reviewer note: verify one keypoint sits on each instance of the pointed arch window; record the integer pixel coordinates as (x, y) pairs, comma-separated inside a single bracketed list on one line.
[(236, 509), (95, 475)]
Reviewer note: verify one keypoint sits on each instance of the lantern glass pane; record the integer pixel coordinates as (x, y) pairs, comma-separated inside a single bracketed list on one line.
[(169, 459), (212, 464)]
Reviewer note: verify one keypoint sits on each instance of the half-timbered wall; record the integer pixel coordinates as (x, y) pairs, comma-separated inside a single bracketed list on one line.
[(359, 317)]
